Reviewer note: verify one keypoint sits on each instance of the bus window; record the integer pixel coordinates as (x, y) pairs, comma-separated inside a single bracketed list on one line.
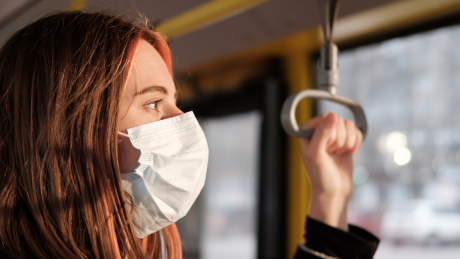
[(407, 173), (230, 193)]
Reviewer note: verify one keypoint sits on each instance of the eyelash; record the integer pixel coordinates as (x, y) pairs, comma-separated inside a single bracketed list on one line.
[(155, 103)]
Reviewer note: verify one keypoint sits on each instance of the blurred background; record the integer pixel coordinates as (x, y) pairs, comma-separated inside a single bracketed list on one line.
[(235, 61)]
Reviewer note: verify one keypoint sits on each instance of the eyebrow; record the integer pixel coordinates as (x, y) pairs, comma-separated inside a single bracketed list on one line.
[(150, 89)]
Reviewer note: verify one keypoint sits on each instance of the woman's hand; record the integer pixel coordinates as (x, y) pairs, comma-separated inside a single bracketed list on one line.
[(328, 160)]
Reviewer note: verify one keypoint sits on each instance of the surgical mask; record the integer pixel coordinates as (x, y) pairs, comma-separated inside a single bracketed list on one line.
[(171, 174)]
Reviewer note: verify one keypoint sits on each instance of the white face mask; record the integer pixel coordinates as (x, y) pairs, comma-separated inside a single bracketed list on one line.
[(171, 174)]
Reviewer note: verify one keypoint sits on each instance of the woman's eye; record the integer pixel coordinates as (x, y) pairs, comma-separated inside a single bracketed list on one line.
[(154, 105)]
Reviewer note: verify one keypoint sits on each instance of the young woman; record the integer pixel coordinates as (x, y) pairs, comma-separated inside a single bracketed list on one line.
[(97, 161)]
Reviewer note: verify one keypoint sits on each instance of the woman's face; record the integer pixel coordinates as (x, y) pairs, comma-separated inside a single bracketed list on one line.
[(149, 95)]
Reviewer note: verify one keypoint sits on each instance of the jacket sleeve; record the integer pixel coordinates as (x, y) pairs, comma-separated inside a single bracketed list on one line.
[(324, 241)]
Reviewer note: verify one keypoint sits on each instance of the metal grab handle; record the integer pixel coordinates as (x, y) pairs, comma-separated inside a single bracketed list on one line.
[(289, 121), (328, 13), (328, 78)]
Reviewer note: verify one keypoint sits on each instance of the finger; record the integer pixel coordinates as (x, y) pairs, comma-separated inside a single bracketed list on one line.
[(311, 124), (359, 140), (350, 141), (323, 134), (333, 136), (340, 136), (352, 134)]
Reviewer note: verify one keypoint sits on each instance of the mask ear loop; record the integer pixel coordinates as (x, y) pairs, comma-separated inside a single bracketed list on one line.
[(123, 134), (164, 252)]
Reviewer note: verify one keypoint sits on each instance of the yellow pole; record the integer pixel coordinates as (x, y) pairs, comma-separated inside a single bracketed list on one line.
[(77, 5), (297, 71), (204, 15)]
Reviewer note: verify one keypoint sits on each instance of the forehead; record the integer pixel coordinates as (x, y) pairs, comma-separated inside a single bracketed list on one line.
[(148, 68), (148, 62)]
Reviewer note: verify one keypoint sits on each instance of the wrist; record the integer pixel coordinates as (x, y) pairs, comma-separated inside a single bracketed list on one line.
[(331, 197), (331, 210)]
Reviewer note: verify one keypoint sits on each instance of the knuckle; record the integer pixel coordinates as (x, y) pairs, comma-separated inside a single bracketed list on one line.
[(340, 120), (351, 143), (350, 123)]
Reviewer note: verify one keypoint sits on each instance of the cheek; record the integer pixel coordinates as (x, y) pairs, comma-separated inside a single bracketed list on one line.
[(138, 116), (128, 155), (146, 115), (124, 145)]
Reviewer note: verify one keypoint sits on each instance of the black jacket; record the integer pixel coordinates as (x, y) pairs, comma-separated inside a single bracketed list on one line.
[(323, 241)]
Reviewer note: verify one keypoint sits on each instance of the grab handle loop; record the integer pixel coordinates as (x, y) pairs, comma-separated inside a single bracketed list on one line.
[(289, 122)]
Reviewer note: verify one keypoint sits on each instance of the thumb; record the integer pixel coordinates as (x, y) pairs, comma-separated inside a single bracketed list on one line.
[(323, 133), (311, 124)]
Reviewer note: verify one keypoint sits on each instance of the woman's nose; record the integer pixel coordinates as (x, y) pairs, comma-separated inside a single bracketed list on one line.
[(170, 110)]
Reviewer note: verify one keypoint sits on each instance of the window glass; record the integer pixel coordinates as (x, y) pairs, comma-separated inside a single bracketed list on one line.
[(407, 173), (229, 200)]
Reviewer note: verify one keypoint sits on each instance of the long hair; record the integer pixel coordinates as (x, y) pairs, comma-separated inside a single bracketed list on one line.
[(61, 81)]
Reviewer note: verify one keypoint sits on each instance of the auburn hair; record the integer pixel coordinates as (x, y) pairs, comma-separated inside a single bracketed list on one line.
[(61, 82)]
